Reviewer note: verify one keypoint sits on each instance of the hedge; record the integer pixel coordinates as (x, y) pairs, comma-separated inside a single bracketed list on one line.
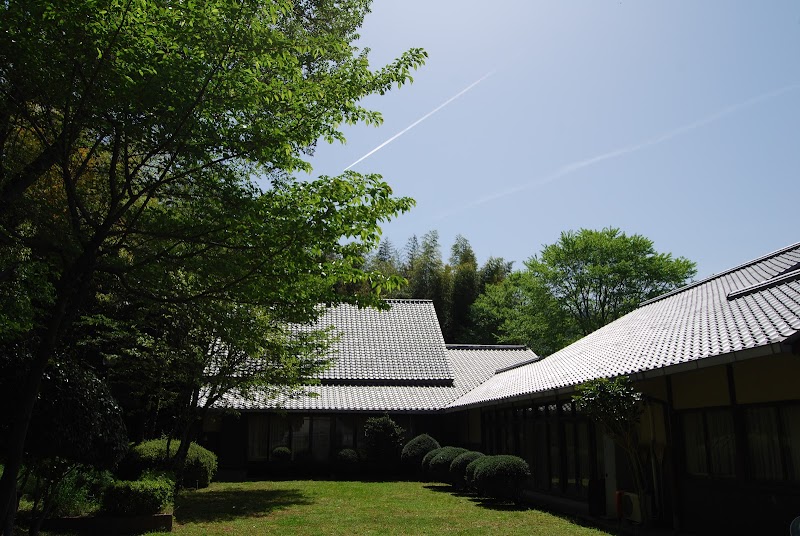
[(472, 467), (383, 439), (426, 460), (416, 449), (151, 495), (501, 477), (347, 457), (439, 465), (282, 454), (458, 467), (199, 469)]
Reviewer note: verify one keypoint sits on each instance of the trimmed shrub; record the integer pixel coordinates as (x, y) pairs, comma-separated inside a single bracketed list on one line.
[(426, 460), (139, 497), (416, 449), (383, 439), (458, 467), (347, 462), (472, 467), (502, 477), (282, 454), (80, 492), (439, 465), (198, 471), (347, 457)]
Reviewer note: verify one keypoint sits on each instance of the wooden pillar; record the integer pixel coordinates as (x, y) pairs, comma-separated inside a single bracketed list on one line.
[(675, 442), (739, 428)]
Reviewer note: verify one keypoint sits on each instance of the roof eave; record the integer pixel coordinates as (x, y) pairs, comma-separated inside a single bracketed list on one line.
[(786, 346)]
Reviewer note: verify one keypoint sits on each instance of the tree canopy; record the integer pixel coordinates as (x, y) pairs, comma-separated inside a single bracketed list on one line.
[(575, 286), (146, 151), (452, 286)]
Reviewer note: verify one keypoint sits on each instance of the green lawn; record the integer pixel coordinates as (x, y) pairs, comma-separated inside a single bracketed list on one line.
[(347, 508)]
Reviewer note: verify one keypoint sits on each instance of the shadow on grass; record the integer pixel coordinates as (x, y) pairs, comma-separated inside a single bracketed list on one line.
[(230, 504), (441, 488), (506, 505), (447, 488), (501, 505), (483, 502)]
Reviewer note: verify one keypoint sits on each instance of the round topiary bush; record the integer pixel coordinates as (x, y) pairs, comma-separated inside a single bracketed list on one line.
[(472, 467), (148, 496), (439, 465), (426, 460), (347, 462), (416, 449), (198, 471), (458, 467), (502, 477), (383, 439), (347, 456), (281, 454)]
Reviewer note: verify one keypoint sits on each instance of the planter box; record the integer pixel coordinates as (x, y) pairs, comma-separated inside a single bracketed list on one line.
[(110, 525)]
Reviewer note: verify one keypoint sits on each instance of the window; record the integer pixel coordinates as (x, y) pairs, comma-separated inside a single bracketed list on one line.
[(583, 454), (278, 433), (764, 443), (345, 432), (721, 442), (773, 442), (710, 443), (258, 434), (540, 466), (695, 442), (321, 438), (790, 419), (570, 448), (555, 455), (301, 436)]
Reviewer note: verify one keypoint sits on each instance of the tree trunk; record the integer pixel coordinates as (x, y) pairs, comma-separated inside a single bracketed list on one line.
[(72, 287), (22, 418), (187, 433)]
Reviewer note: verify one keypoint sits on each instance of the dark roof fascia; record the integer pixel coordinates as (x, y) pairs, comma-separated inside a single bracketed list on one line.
[(486, 347), (349, 382), (338, 411), (721, 274)]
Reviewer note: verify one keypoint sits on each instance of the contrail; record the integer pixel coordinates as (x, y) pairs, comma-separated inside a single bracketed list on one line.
[(580, 164), (421, 119)]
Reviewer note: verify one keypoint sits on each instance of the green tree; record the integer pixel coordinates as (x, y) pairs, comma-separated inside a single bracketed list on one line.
[(386, 260), (581, 283), (520, 310), (494, 271), (464, 291), (428, 277), (77, 424), (129, 131), (599, 276), (617, 408), (453, 287), (384, 441), (178, 360)]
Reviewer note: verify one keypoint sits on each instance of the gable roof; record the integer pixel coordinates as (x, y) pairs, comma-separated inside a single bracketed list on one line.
[(401, 345), (750, 310), (391, 360)]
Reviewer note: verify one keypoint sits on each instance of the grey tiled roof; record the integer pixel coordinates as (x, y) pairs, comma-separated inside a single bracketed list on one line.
[(745, 311), (401, 344), (471, 365)]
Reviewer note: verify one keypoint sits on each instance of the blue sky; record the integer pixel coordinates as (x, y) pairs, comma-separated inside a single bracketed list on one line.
[(677, 120)]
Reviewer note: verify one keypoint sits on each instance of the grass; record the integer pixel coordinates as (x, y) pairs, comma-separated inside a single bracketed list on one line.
[(346, 508)]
